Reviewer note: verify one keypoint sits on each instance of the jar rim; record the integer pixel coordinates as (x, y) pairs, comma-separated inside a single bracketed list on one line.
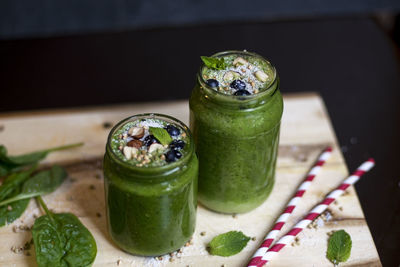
[(238, 99), (153, 172)]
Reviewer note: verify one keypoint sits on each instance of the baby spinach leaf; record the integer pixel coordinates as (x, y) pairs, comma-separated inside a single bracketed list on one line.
[(10, 164), (13, 211), (214, 62), (339, 247), (60, 239), (228, 244), (13, 182), (42, 183), (10, 188)]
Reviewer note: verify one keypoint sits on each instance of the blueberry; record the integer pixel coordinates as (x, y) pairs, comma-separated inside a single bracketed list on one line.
[(212, 83), (177, 144), (238, 85), (172, 155), (242, 92), (149, 140), (172, 130)]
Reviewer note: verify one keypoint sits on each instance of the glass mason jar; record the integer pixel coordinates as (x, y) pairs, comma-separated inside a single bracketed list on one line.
[(236, 140), (151, 210)]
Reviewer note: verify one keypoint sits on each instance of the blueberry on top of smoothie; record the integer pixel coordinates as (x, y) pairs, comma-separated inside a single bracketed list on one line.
[(242, 92), (177, 144), (172, 155), (238, 85), (212, 83), (149, 140), (172, 130)]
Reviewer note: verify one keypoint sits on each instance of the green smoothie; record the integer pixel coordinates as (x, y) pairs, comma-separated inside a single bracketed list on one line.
[(150, 172), (236, 130)]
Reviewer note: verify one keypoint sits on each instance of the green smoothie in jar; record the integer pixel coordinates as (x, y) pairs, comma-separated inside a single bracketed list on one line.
[(235, 113), (150, 179)]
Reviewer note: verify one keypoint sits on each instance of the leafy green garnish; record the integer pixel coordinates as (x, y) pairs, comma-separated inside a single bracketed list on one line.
[(60, 240), (339, 247), (161, 135), (10, 164), (214, 62), (42, 183), (228, 244), (10, 188), (13, 211)]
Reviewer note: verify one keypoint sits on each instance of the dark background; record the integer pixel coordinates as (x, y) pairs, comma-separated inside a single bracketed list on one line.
[(79, 53)]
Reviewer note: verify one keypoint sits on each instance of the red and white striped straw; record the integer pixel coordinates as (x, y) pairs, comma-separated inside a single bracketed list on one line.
[(314, 213), (270, 237)]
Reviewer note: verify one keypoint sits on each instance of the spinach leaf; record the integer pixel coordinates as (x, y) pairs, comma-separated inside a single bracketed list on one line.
[(42, 183), (10, 188), (12, 183), (10, 213), (9, 164), (60, 239)]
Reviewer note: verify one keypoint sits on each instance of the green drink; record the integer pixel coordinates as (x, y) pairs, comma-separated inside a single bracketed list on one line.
[(235, 113), (150, 172)]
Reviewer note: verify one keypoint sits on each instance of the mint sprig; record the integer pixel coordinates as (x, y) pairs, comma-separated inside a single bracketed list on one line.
[(161, 135), (214, 62), (228, 244), (339, 247)]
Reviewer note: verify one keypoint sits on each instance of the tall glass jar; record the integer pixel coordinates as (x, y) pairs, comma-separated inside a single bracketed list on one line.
[(151, 210), (236, 141)]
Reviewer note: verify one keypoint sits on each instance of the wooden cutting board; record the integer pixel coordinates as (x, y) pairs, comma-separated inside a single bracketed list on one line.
[(306, 130)]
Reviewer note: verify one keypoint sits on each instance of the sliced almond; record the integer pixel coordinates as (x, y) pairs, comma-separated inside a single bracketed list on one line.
[(136, 132), (135, 143), (155, 147), (127, 152), (240, 61), (261, 76)]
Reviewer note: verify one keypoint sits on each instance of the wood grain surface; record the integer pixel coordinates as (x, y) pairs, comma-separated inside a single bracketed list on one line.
[(306, 130)]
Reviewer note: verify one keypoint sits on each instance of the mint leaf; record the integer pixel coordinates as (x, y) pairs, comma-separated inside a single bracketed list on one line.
[(339, 247), (214, 62), (161, 135), (228, 244)]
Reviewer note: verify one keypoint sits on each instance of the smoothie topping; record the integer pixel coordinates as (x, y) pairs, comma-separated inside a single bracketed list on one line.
[(149, 142), (237, 75)]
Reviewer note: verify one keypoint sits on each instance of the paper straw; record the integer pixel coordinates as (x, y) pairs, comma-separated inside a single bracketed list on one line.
[(314, 213), (270, 237)]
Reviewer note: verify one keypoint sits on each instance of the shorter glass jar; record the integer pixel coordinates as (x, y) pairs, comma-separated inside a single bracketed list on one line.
[(151, 210)]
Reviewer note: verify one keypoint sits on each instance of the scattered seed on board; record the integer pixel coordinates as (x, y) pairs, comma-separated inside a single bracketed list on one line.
[(119, 262), (203, 233), (253, 238), (107, 125)]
